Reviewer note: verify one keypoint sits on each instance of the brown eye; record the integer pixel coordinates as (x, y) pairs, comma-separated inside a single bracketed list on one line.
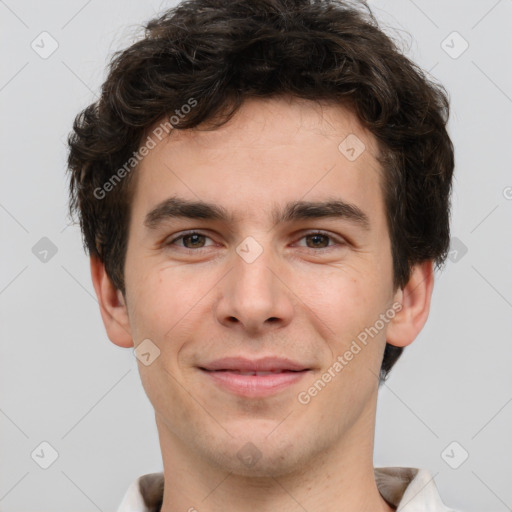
[(318, 240), (195, 239), (190, 240)]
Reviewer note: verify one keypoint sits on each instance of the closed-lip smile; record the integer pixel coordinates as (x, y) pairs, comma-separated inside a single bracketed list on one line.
[(264, 364), (254, 378)]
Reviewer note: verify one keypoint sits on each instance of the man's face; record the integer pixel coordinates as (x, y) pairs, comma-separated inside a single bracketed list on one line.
[(252, 285)]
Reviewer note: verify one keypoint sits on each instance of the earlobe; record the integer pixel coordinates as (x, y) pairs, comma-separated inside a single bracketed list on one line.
[(113, 308), (415, 299)]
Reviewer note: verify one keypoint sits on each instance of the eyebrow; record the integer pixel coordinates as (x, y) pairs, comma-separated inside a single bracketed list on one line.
[(175, 207)]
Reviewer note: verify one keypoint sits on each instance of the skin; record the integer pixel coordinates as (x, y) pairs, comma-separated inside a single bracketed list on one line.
[(298, 299)]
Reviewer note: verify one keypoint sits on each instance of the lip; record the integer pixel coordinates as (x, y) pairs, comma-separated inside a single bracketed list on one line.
[(225, 373), (263, 364), (254, 386)]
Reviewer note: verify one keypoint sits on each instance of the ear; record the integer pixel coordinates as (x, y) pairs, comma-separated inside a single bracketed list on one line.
[(112, 306), (415, 299)]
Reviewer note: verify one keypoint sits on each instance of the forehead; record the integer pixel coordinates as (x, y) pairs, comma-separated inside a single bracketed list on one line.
[(274, 124), (272, 150)]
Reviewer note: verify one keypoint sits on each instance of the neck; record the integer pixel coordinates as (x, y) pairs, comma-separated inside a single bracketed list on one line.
[(339, 477)]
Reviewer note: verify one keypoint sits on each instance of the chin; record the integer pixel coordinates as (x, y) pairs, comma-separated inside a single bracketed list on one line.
[(259, 455)]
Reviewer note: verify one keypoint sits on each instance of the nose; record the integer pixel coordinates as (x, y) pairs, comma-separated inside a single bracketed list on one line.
[(254, 295)]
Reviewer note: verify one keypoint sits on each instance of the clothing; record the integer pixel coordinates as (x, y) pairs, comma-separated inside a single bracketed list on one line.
[(408, 489)]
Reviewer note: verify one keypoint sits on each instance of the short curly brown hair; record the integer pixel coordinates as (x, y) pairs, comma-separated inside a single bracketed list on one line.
[(221, 52)]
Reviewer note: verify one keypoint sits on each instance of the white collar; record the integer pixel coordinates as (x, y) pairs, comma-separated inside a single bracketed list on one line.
[(408, 489)]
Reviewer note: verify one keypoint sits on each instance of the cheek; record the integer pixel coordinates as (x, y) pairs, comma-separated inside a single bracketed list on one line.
[(155, 306), (339, 296), (344, 305), (170, 304)]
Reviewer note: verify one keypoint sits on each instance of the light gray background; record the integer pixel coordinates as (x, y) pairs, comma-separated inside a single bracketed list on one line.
[(62, 381)]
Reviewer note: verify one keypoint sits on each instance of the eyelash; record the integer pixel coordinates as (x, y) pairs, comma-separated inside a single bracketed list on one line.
[(340, 242)]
